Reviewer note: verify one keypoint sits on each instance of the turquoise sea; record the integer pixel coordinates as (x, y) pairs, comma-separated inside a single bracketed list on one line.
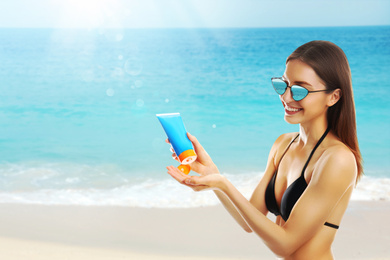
[(77, 109)]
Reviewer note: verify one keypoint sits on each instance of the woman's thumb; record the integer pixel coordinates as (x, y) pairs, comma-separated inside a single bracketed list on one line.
[(198, 147)]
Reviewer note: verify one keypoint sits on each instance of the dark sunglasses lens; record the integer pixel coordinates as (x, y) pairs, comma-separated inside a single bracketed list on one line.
[(298, 92), (279, 86)]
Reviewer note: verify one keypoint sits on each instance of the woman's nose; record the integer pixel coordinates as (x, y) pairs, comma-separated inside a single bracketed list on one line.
[(287, 96)]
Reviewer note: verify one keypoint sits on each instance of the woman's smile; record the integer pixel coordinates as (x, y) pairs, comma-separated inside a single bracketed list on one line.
[(291, 110)]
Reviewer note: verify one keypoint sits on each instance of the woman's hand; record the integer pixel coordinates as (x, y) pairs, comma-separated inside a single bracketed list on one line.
[(203, 164), (198, 183)]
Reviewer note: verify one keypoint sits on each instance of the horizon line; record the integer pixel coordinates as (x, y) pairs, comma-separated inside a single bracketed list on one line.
[(211, 27)]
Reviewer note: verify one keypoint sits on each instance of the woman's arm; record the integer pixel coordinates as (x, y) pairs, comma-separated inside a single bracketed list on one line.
[(205, 166), (334, 175), (258, 197), (231, 208)]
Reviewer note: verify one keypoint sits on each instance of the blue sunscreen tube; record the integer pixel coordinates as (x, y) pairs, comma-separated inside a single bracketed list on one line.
[(174, 128)]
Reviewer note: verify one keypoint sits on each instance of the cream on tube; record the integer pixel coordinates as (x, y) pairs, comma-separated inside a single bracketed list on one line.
[(174, 128)]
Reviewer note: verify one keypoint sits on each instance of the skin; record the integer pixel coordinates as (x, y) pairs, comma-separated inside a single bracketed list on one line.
[(331, 176)]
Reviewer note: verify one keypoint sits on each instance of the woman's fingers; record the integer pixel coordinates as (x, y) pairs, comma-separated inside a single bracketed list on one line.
[(177, 174), (198, 147), (203, 156), (174, 156), (171, 147), (204, 164), (191, 181)]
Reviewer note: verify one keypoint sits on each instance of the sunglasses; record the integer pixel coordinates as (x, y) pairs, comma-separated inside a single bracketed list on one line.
[(297, 92)]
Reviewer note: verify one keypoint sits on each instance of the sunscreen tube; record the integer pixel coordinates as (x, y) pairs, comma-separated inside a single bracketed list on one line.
[(174, 128)]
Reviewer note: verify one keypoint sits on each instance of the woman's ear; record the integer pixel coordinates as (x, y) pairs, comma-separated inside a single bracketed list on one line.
[(334, 97)]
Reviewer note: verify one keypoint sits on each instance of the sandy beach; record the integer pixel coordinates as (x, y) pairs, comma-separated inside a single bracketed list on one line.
[(79, 232)]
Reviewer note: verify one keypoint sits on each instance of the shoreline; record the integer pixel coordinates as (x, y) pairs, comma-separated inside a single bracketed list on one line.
[(107, 232)]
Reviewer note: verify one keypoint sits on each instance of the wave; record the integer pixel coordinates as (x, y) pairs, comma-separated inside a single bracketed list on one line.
[(106, 186)]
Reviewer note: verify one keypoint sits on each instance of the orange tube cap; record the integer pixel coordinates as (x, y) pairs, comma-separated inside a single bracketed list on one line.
[(187, 156), (184, 168)]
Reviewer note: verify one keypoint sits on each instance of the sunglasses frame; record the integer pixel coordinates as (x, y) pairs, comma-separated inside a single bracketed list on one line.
[(292, 95)]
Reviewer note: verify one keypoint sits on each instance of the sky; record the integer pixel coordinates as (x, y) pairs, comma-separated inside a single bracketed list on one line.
[(192, 13)]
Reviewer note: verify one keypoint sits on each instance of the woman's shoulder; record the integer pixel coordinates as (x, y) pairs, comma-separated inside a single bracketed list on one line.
[(338, 161), (337, 149), (282, 142), (285, 139)]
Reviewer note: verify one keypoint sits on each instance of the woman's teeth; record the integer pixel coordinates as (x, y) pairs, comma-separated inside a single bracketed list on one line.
[(292, 109)]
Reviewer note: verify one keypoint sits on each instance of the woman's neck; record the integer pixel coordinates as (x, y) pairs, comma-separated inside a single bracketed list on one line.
[(310, 134)]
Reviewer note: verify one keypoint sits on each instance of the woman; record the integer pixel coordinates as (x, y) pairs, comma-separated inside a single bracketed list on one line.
[(310, 175)]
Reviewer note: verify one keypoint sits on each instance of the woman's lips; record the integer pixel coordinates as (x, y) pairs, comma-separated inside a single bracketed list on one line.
[(291, 110)]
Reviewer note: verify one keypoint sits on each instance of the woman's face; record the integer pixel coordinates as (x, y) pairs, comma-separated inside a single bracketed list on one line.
[(314, 106)]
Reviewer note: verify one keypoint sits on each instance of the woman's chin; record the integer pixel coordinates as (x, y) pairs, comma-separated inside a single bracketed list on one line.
[(291, 120)]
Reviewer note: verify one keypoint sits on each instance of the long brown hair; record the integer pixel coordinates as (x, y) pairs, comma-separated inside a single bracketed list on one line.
[(331, 65)]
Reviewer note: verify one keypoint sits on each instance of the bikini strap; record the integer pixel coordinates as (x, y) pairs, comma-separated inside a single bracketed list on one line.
[(315, 148), (285, 151)]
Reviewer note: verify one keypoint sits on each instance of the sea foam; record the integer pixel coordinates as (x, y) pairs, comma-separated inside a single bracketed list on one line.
[(57, 184)]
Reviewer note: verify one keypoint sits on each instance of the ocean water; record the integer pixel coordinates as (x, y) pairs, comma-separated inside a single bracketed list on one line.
[(77, 110)]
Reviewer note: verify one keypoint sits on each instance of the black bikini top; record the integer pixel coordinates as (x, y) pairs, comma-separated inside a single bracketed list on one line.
[(293, 192)]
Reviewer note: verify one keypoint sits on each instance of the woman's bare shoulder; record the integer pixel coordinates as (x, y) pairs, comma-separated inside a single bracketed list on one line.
[(286, 138), (339, 152), (282, 142), (337, 163)]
